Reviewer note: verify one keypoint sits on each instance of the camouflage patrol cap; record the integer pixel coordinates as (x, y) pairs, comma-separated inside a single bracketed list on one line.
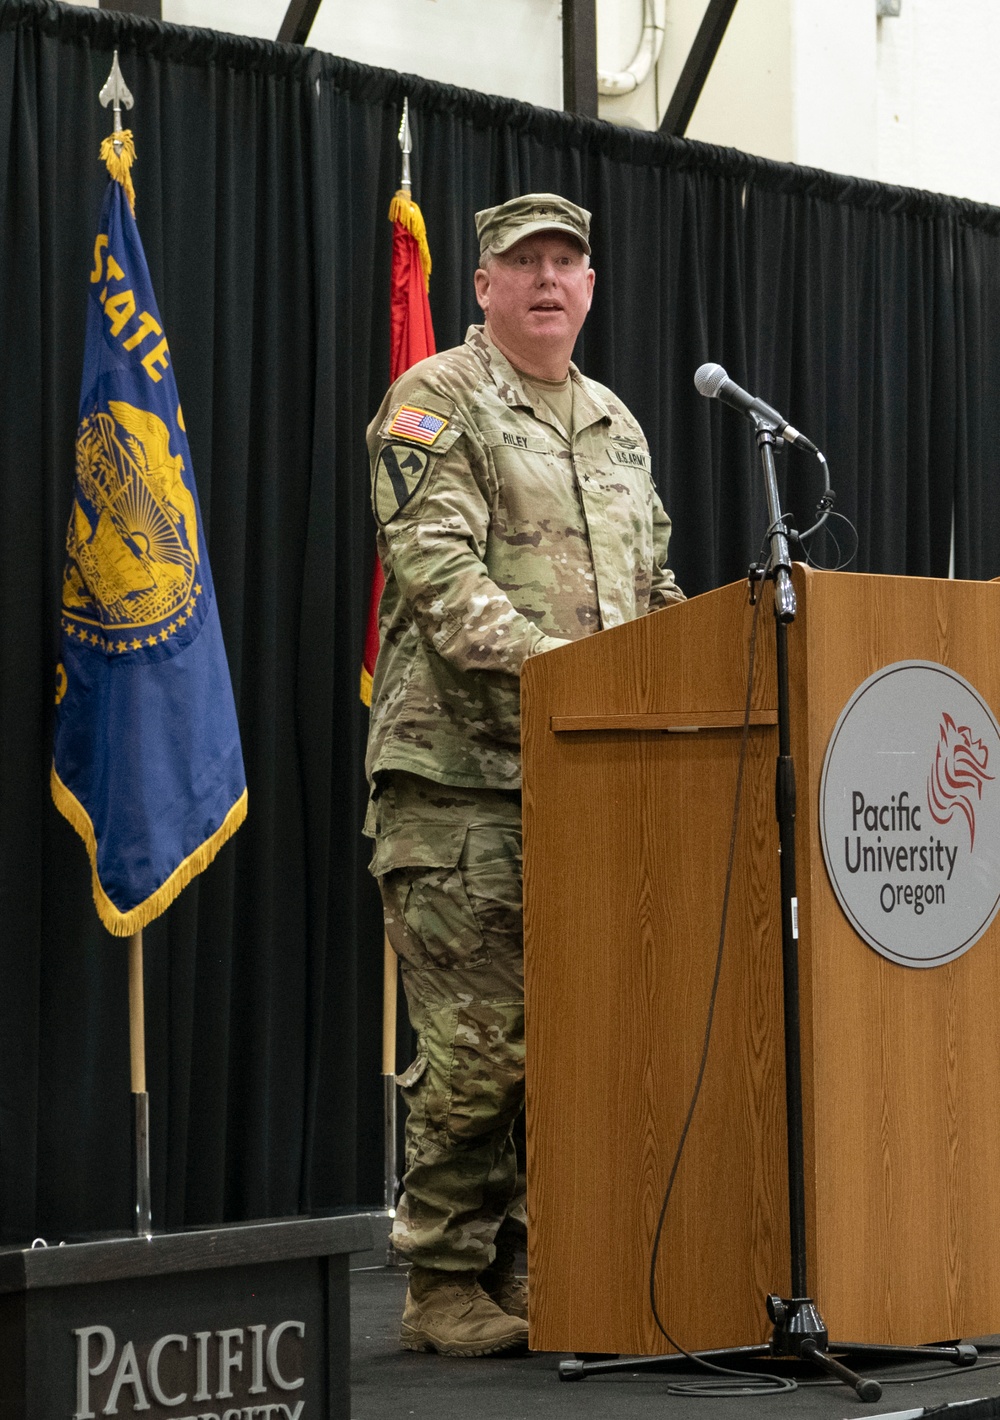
[(498, 228)]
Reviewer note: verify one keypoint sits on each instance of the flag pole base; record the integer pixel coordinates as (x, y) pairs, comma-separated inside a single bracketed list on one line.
[(391, 1162), (140, 1145), (391, 1179)]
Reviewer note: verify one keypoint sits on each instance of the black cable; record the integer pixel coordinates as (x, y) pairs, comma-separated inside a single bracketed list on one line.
[(753, 1384), (826, 499), (824, 510), (840, 561)]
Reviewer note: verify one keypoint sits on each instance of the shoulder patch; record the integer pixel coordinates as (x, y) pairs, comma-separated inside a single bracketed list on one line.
[(399, 471), (422, 426)]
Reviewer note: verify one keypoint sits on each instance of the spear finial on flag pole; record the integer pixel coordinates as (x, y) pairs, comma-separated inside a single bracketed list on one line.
[(118, 151), (116, 92), (402, 208), (406, 147)]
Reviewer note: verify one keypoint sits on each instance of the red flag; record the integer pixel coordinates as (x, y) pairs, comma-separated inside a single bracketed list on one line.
[(411, 339)]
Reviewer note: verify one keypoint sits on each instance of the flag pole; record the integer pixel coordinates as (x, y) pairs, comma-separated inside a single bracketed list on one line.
[(411, 339), (390, 979), (140, 1098), (116, 93), (389, 996)]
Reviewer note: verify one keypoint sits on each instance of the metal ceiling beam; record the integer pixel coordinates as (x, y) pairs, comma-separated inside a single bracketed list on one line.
[(579, 46), (692, 78), (298, 21)]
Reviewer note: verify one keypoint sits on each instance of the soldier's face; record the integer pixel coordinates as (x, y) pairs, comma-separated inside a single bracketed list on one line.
[(537, 294)]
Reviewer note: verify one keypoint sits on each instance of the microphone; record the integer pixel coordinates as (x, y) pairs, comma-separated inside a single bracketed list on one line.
[(713, 382)]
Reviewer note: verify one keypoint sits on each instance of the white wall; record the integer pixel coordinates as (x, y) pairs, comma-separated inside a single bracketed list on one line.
[(509, 47), (911, 100), (747, 101), (938, 98), (833, 85)]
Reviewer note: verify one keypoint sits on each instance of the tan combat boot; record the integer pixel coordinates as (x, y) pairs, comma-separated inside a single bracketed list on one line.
[(500, 1280), (448, 1312)]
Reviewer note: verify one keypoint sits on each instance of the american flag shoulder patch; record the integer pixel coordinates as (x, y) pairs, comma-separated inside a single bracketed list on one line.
[(420, 426)]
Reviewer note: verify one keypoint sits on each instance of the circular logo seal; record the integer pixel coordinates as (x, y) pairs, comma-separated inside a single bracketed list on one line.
[(132, 547), (909, 807)]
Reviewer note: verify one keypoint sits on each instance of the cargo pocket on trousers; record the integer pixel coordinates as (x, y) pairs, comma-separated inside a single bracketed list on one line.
[(487, 1073), (413, 1088), (428, 917), (426, 1083)]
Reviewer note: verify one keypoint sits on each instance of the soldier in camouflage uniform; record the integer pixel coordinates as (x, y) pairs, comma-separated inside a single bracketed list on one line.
[(516, 513)]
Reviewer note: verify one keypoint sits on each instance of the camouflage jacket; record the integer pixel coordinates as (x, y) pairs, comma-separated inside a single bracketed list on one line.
[(499, 538)]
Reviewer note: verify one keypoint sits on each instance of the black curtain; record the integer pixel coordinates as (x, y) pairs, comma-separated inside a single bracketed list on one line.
[(263, 1057), (263, 178)]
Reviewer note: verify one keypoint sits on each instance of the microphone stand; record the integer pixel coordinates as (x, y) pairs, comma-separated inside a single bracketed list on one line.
[(798, 1329)]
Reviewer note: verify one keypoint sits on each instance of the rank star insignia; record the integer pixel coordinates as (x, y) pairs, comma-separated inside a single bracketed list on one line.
[(398, 475)]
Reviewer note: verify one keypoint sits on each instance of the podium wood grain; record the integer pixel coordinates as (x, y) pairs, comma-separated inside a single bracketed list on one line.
[(627, 811)]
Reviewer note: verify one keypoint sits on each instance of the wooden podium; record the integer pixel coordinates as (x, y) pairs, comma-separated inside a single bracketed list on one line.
[(631, 740)]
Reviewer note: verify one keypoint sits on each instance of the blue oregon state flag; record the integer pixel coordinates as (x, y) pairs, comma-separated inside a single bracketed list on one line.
[(147, 764)]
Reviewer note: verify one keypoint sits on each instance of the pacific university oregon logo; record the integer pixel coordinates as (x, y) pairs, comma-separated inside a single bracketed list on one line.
[(131, 577), (910, 813)]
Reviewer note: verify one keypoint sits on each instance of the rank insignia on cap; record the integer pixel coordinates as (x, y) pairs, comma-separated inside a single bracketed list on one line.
[(419, 425)]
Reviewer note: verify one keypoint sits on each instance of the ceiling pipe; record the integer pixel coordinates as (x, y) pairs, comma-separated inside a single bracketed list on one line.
[(625, 81)]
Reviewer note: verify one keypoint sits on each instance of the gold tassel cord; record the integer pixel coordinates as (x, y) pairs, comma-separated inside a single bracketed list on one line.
[(404, 210), (366, 687), (119, 165), (123, 924)]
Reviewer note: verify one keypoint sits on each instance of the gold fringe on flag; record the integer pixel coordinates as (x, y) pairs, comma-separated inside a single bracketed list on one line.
[(119, 164), (123, 924), (404, 210)]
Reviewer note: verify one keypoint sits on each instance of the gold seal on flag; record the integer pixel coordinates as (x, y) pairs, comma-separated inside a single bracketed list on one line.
[(132, 542)]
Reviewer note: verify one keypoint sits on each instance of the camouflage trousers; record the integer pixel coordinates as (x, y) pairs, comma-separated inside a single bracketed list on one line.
[(448, 862)]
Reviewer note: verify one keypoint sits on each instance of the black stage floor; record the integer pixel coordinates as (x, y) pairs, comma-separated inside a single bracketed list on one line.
[(390, 1384)]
